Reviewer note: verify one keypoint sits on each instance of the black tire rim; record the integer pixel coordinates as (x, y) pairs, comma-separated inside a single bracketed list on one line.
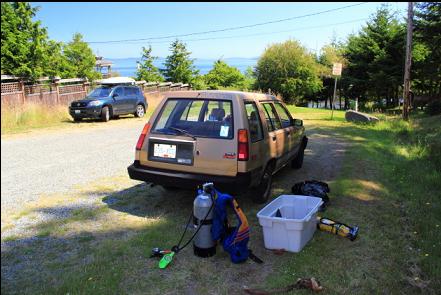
[(140, 111)]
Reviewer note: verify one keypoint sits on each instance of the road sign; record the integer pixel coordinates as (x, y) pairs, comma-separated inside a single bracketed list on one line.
[(336, 69)]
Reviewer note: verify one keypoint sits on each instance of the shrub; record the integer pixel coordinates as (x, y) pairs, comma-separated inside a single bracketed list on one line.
[(433, 108)]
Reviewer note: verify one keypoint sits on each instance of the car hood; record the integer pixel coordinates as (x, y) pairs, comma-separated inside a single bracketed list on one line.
[(85, 101)]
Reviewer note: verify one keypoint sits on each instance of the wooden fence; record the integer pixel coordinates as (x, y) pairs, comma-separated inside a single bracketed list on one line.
[(64, 91)]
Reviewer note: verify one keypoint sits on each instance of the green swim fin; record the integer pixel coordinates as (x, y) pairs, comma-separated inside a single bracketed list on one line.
[(166, 259)]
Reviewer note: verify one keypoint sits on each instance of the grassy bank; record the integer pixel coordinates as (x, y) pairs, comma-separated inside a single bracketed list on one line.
[(389, 186), (19, 119), (15, 119)]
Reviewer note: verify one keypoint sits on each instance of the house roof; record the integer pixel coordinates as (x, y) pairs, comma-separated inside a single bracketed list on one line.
[(100, 62)]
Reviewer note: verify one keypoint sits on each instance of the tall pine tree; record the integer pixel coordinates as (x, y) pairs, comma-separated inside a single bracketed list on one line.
[(178, 65), (146, 69)]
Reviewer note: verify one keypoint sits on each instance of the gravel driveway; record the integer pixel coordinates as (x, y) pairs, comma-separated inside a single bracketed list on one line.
[(49, 162)]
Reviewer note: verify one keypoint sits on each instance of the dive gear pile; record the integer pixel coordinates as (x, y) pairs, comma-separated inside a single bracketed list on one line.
[(212, 227)]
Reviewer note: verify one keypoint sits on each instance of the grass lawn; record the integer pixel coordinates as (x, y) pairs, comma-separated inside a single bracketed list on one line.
[(389, 185)]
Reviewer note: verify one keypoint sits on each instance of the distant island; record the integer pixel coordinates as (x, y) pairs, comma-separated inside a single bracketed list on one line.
[(126, 67)]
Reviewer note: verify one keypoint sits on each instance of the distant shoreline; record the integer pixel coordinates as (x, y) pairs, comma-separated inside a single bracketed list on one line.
[(127, 66)]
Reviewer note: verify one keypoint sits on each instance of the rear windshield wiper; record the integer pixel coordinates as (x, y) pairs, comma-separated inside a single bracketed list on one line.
[(183, 132)]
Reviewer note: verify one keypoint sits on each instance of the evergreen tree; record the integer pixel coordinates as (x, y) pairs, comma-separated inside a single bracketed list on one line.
[(146, 70), (23, 41), (376, 58), (427, 48), (178, 65), (80, 58), (56, 62)]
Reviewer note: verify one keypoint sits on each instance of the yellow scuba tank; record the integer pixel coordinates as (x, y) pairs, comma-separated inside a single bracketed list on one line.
[(337, 228)]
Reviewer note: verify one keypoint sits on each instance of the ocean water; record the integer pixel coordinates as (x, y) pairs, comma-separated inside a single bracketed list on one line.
[(126, 67)]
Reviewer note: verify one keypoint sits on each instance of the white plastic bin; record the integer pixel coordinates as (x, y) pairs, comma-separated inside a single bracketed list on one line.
[(296, 226)]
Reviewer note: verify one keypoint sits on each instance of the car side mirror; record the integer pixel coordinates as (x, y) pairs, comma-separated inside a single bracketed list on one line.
[(115, 95), (298, 122)]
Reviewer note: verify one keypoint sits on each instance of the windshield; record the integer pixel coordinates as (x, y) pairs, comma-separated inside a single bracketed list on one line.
[(101, 91), (197, 117)]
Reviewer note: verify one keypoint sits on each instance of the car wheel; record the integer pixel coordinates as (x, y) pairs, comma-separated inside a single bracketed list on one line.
[(262, 192), (297, 162), (76, 119), (105, 114), (140, 111)]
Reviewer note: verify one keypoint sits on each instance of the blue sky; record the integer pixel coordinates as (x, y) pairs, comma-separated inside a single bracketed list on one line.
[(133, 20)]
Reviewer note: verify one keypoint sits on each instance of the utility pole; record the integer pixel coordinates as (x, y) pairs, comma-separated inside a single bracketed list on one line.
[(407, 66)]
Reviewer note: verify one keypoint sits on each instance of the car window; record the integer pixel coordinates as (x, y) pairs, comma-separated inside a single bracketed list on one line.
[(100, 92), (254, 123), (192, 111), (199, 117), (271, 117), (119, 91), (284, 115), (130, 91)]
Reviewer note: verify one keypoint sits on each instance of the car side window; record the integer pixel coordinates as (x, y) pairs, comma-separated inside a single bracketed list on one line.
[(119, 91), (129, 91), (256, 132), (271, 116), (284, 115)]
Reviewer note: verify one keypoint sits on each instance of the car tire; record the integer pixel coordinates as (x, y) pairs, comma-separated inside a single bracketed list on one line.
[(76, 119), (297, 162), (262, 192), (170, 188), (140, 111), (105, 114)]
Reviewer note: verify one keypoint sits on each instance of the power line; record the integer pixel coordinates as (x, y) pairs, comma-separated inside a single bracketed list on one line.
[(230, 28), (252, 35)]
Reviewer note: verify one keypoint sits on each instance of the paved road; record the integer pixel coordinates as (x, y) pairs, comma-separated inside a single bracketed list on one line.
[(54, 161)]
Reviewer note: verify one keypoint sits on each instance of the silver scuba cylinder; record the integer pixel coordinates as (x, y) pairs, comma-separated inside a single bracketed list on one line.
[(203, 243)]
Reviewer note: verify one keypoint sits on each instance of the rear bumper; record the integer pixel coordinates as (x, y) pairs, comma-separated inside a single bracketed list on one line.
[(233, 184)]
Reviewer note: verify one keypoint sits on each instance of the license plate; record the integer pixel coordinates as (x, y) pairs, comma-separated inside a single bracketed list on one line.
[(164, 150), (77, 112)]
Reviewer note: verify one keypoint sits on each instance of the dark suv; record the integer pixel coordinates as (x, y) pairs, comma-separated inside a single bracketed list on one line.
[(108, 101)]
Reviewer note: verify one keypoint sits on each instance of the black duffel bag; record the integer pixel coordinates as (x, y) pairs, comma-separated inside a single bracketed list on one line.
[(313, 188)]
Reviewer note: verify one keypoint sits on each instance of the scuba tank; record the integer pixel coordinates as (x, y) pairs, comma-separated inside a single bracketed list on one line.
[(203, 243)]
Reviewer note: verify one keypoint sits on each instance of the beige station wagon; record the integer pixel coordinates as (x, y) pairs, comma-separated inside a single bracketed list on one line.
[(236, 140)]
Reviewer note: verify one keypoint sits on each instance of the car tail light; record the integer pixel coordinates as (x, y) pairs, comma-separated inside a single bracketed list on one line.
[(142, 136), (242, 148)]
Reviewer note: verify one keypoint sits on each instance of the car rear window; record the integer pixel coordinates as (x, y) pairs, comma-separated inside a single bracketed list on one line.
[(198, 117)]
